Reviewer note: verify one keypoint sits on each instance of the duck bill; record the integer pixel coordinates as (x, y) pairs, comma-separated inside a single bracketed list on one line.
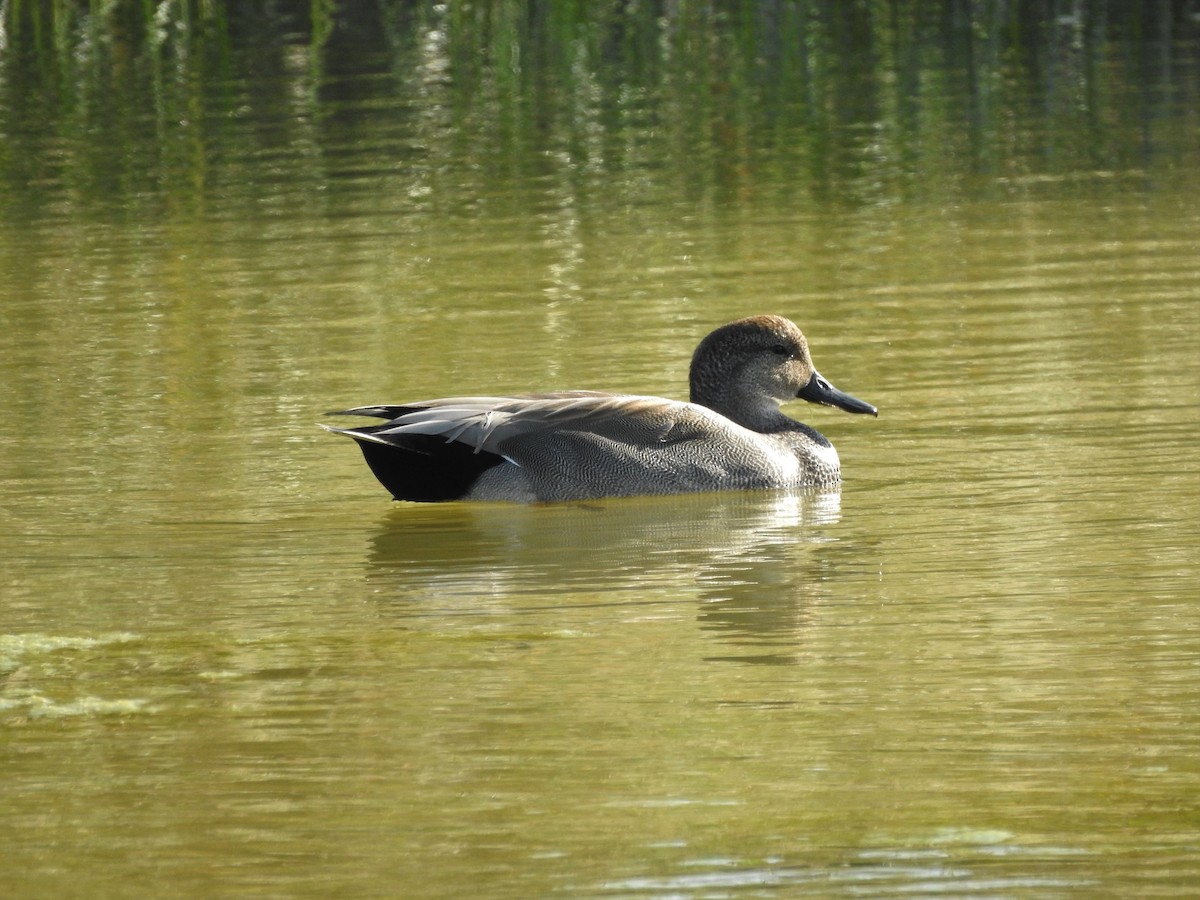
[(818, 390)]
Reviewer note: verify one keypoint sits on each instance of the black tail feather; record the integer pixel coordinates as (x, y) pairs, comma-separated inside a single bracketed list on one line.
[(425, 468), (378, 412)]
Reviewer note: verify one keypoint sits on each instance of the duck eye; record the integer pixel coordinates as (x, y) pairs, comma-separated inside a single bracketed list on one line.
[(781, 350)]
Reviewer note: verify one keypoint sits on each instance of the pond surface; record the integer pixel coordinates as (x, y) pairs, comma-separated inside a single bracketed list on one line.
[(231, 666)]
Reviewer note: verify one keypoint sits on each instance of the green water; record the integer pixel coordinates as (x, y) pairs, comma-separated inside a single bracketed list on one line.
[(230, 666)]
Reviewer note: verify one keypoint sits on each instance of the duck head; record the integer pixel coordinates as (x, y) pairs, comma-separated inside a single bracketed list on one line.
[(745, 370)]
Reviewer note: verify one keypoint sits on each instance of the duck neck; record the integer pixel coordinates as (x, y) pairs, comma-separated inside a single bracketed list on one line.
[(749, 409)]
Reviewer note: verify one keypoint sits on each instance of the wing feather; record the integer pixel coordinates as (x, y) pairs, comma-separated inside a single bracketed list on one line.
[(486, 423)]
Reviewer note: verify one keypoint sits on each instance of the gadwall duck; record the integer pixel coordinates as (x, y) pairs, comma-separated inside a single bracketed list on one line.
[(574, 445)]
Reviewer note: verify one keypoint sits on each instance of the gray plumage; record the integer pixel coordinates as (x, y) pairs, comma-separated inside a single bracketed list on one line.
[(573, 445)]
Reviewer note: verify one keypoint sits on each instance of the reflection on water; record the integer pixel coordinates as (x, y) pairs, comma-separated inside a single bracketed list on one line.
[(753, 562), (620, 545)]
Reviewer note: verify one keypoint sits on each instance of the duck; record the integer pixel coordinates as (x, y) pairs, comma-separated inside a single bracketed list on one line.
[(731, 435)]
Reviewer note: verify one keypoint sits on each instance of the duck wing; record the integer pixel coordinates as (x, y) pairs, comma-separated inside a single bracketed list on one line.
[(497, 424)]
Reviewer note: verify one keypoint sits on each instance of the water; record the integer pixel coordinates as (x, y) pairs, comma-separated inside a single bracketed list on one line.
[(229, 665)]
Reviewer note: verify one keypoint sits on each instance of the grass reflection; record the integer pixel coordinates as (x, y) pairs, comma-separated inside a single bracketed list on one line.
[(855, 103)]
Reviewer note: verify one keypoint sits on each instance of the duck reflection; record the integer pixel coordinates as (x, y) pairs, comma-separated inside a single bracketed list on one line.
[(754, 563)]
